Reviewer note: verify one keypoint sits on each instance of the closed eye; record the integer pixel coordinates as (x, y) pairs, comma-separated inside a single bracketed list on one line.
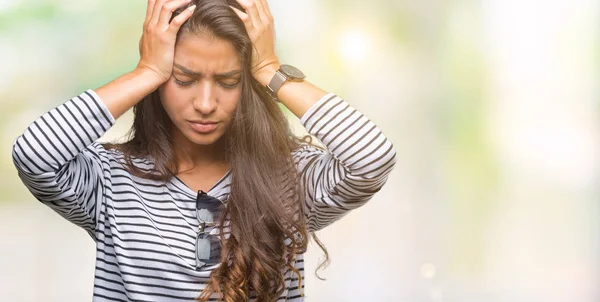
[(229, 86), (221, 83), (181, 83)]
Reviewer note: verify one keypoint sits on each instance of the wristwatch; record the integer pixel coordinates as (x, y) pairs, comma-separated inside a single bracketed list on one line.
[(283, 74)]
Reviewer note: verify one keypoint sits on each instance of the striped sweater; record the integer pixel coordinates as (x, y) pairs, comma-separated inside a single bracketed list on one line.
[(145, 230)]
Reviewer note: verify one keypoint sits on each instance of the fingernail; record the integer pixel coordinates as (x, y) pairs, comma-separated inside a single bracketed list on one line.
[(192, 7)]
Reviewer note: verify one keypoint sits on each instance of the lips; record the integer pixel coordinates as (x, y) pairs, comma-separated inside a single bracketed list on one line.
[(203, 126), (202, 122)]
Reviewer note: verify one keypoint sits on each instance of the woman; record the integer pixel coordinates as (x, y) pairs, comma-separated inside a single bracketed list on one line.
[(213, 197)]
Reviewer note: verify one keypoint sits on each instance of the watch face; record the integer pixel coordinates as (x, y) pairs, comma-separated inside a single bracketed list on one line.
[(292, 72)]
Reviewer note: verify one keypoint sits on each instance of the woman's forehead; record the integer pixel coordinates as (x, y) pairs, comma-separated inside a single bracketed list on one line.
[(206, 55)]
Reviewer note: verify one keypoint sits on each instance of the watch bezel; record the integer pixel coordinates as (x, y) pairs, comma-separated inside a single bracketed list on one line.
[(292, 72)]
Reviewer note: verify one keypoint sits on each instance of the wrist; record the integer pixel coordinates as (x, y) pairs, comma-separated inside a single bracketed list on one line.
[(122, 93), (265, 74), (149, 76)]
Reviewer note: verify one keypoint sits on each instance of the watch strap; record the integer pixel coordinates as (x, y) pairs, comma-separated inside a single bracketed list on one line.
[(276, 82)]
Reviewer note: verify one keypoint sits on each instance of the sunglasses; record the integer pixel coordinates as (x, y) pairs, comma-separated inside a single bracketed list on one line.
[(208, 247)]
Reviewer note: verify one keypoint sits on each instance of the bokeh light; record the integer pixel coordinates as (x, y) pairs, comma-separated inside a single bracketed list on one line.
[(354, 46)]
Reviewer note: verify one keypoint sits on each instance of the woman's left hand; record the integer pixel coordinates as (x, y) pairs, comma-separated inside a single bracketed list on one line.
[(259, 24)]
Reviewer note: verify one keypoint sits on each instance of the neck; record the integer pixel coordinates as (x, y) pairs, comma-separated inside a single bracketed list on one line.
[(189, 155)]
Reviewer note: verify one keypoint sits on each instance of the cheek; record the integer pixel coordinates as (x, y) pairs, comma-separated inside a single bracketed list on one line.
[(171, 98), (231, 101)]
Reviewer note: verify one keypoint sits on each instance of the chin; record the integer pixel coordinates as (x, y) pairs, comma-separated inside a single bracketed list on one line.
[(204, 139)]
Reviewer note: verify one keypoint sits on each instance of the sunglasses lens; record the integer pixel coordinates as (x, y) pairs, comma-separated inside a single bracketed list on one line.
[(208, 247), (205, 216), (204, 201), (208, 250)]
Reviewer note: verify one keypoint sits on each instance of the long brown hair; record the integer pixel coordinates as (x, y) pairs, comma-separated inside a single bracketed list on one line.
[(265, 206)]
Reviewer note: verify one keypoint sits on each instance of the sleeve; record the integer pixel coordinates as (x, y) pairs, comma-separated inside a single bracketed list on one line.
[(60, 162), (354, 167)]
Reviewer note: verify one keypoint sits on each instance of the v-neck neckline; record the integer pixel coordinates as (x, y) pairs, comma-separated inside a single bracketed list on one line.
[(193, 193)]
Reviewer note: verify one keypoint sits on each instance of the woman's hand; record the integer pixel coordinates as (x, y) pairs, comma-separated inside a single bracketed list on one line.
[(259, 24), (157, 45)]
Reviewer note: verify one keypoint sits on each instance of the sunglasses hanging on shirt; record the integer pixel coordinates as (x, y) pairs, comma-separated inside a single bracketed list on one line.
[(208, 246)]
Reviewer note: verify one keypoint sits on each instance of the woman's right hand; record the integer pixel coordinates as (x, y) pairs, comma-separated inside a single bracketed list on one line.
[(157, 45), (157, 50)]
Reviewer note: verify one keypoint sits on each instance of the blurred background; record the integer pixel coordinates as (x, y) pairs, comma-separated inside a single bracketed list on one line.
[(493, 106)]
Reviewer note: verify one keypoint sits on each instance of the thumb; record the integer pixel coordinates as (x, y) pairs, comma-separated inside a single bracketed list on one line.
[(240, 14)]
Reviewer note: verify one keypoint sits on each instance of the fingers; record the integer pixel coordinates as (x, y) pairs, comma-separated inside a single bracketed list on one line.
[(149, 10), (241, 14), (167, 11), (158, 4), (267, 10), (181, 18), (262, 7), (252, 11), (257, 13)]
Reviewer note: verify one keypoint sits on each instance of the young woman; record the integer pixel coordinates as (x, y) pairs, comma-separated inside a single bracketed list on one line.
[(212, 197)]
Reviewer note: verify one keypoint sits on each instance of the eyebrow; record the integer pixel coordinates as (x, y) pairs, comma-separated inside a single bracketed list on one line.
[(192, 73)]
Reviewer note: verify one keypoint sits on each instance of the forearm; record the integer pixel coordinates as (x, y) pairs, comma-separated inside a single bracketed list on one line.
[(354, 167), (296, 96), (60, 134), (127, 90), (59, 161)]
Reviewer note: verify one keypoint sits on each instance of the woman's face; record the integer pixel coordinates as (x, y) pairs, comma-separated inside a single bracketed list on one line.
[(203, 92)]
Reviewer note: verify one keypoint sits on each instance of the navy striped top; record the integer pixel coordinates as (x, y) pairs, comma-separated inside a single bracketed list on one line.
[(145, 230)]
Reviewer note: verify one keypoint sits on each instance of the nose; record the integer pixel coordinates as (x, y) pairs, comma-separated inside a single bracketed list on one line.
[(205, 100)]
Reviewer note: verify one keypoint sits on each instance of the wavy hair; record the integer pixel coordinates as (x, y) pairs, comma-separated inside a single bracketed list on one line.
[(265, 206)]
